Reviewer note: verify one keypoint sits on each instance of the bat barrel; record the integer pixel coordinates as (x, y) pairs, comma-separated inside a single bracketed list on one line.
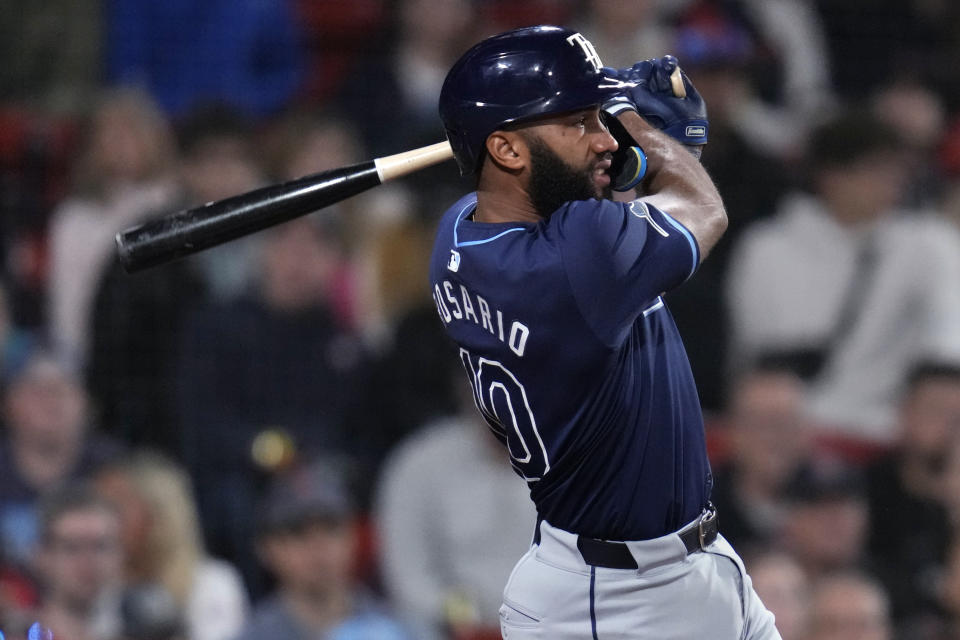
[(192, 230)]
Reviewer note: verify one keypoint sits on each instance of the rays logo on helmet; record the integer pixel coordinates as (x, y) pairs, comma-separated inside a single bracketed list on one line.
[(588, 51)]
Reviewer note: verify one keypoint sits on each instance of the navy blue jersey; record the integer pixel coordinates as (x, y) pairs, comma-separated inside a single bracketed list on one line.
[(576, 362)]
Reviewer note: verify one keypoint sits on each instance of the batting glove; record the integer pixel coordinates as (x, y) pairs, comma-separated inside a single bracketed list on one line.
[(647, 89)]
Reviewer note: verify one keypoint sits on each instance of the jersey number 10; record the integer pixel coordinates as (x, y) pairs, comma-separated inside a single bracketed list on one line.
[(502, 401)]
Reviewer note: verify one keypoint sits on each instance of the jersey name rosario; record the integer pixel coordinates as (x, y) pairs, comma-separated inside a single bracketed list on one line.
[(575, 361), (449, 307)]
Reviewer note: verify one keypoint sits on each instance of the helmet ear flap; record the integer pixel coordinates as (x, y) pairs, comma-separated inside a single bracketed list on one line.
[(460, 143)]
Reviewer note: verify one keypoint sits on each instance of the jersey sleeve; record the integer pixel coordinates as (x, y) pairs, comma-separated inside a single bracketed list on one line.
[(619, 257)]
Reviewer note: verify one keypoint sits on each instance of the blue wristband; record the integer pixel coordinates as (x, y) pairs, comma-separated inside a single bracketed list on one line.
[(633, 170)]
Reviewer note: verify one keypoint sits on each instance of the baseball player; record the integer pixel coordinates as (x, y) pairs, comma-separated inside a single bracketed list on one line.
[(555, 295)]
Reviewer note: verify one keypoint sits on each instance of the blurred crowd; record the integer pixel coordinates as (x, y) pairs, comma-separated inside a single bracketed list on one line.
[(272, 439)]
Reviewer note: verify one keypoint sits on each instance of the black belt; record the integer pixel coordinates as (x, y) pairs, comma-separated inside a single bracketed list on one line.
[(616, 555)]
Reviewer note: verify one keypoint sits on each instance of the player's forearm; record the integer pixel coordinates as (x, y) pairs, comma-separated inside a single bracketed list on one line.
[(678, 184)]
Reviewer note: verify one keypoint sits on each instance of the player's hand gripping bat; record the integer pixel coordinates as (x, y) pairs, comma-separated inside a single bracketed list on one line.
[(192, 230)]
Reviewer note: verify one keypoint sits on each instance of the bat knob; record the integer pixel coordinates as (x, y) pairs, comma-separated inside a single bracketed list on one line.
[(676, 82)]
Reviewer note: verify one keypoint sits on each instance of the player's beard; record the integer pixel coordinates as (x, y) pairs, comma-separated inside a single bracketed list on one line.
[(553, 182)]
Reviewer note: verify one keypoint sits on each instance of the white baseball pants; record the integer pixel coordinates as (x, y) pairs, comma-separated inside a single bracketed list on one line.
[(553, 594)]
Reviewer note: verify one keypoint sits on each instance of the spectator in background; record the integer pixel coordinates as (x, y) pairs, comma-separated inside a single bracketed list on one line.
[(920, 115), (788, 65), (910, 495), (949, 162), (51, 53), (48, 442), (271, 367), (163, 546), (719, 56), (448, 547), (826, 524), (306, 144), (18, 594), (244, 53), (412, 373), (949, 592), (780, 581), (497, 16), (872, 41), (138, 319), (220, 158), (849, 606), (124, 169), (626, 32), (769, 445), (411, 368), (15, 342), (943, 582), (79, 561), (950, 483), (149, 612), (844, 283), (308, 541), (377, 287), (430, 34), (36, 155)]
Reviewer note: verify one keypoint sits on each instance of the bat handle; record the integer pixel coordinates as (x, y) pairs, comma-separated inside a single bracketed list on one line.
[(676, 81), (401, 164)]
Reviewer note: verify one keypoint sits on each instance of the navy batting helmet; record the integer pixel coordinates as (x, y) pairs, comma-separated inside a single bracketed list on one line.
[(516, 76)]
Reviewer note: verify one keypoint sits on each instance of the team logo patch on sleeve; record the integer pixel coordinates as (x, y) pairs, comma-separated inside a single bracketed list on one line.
[(453, 264), (640, 210)]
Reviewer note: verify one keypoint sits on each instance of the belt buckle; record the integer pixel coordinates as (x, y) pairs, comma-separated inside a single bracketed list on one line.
[(705, 519)]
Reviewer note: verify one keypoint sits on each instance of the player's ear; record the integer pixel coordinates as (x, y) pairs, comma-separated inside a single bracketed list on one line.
[(508, 150)]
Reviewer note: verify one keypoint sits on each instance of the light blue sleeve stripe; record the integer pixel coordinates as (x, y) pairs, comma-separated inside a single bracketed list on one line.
[(690, 239)]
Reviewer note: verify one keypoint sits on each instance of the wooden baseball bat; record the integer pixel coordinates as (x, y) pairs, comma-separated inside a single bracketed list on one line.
[(192, 230)]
